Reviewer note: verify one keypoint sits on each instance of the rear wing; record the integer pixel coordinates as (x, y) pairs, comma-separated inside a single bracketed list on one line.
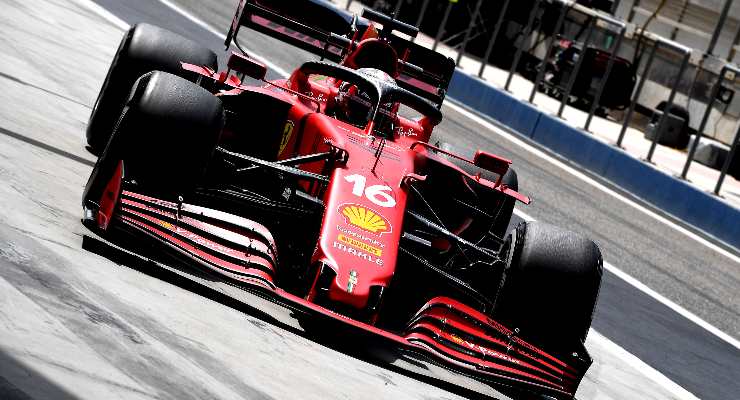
[(323, 29)]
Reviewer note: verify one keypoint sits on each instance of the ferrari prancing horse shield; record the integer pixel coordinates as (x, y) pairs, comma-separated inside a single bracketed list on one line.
[(287, 133)]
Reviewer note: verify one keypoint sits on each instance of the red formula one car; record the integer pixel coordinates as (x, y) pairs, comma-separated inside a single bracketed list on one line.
[(321, 192)]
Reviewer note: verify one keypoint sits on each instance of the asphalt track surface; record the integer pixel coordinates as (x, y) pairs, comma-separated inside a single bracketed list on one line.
[(38, 212)]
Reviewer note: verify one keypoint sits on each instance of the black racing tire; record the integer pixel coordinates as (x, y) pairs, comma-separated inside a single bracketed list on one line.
[(143, 49), (550, 286), (167, 133)]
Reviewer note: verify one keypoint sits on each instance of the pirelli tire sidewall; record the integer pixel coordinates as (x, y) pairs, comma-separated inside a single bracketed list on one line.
[(167, 133), (550, 285), (144, 48)]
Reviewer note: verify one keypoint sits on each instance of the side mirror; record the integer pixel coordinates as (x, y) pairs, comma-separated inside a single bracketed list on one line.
[(247, 66), (491, 162)]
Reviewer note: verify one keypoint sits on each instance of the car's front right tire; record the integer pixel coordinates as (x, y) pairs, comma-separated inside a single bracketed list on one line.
[(550, 285)]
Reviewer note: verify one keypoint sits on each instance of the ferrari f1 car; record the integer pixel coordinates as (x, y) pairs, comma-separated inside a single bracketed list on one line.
[(322, 191)]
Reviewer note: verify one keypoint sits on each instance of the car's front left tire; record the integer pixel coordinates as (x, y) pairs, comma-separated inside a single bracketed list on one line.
[(166, 136), (168, 132), (143, 49)]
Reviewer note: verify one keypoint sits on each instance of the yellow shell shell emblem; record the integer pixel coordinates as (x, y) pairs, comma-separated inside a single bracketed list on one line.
[(365, 219)]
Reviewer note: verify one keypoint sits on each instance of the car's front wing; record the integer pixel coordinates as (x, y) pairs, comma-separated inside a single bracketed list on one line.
[(445, 335)]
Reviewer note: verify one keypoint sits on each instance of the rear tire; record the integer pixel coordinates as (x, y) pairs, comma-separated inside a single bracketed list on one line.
[(550, 286), (143, 49), (167, 133)]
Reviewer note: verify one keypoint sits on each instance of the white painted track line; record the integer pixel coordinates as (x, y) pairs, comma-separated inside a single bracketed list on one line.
[(634, 362), (117, 22)]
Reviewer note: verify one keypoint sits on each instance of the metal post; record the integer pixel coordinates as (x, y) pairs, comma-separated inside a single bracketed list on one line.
[(398, 8), (720, 25), (636, 96), (541, 71), (466, 38), (577, 68), (631, 14), (703, 124), (668, 108), (520, 49), (442, 25), (494, 36), (604, 79), (728, 161), (423, 11)]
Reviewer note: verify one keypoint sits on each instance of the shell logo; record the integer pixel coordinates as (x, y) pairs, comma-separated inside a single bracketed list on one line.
[(365, 219)]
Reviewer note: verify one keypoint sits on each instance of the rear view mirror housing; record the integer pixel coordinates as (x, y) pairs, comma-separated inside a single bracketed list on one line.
[(246, 65), (491, 162)]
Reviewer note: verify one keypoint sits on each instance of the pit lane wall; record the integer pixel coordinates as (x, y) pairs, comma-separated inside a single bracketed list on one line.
[(674, 196)]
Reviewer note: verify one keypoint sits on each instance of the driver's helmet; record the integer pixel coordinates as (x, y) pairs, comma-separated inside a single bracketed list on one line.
[(356, 106)]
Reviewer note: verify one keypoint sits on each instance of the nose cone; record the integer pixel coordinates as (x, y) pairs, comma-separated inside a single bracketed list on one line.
[(359, 238), (347, 289)]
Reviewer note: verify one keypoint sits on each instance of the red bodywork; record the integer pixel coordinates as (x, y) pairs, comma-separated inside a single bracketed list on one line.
[(365, 255)]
